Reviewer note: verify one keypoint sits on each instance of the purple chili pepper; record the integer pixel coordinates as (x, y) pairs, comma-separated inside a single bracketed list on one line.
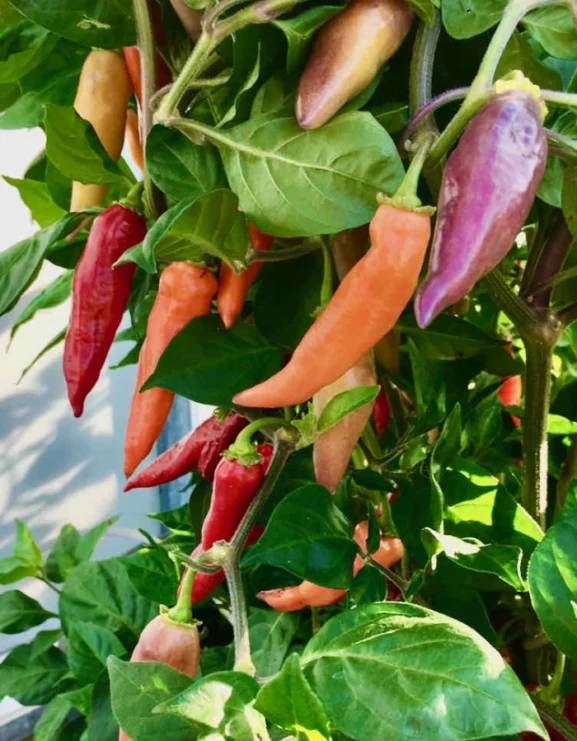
[(488, 188)]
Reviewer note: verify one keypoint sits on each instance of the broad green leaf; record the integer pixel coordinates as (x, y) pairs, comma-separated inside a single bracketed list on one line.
[(25, 547), (294, 183), (175, 519), (19, 264), (554, 28), (466, 19), (53, 715), (221, 703), (89, 647), (552, 580), (345, 403), (34, 673), (401, 671), (271, 634), (18, 612), (368, 586), (181, 169), (209, 225), (38, 199), (153, 574), (74, 148), (299, 31), (52, 343), (100, 592), (137, 689), (102, 725), (519, 55), (289, 702), (71, 549), (558, 425), (13, 569), (23, 47), (417, 507), (106, 23), (551, 186), (501, 561), (53, 295), (208, 364), (308, 536), (392, 116)]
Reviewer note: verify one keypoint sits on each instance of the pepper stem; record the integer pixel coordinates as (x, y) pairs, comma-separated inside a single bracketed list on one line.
[(406, 196), (243, 449), (181, 612)]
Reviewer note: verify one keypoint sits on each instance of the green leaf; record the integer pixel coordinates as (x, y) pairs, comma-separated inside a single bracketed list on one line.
[(386, 671), (25, 547), (554, 28), (221, 702), (100, 592), (208, 364), (300, 29), (53, 715), (52, 343), (551, 578), (271, 634), (308, 536), (53, 295), (136, 689), (466, 19), (177, 519), (18, 612), (34, 673), (71, 549), (74, 148), (345, 403), (425, 9), (501, 561), (392, 116), (209, 225), (19, 264), (13, 569), (368, 586), (102, 725), (22, 48), (289, 702), (153, 574), (106, 23), (558, 425), (519, 55), (38, 199), (569, 199), (181, 169), (294, 183), (89, 646)]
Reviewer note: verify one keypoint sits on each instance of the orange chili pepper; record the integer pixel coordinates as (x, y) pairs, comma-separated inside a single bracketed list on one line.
[(365, 306), (233, 287), (133, 138), (132, 59), (185, 292)]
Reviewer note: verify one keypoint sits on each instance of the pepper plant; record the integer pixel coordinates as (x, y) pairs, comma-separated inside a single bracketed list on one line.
[(354, 236)]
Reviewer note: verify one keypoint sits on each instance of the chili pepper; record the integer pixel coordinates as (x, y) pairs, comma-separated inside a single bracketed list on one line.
[(185, 292), (191, 18), (365, 306), (307, 594), (333, 448), (510, 395), (101, 98), (488, 187), (347, 54), (99, 297), (132, 59), (233, 287), (235, 486), (382, 412), (132, 135), (200, 449)]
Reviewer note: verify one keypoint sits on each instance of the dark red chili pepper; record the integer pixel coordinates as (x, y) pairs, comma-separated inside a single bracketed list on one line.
[(200, 450), (99, 296), (234, 488), (381, 412), (510, 395), (487, 191)]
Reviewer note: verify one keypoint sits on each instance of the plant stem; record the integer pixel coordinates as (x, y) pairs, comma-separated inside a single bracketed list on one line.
[(551, 694), (406, 196), (49, 584), (327, 284), (427, 110), (286, 253), (565, 142), (549, 262), (559, 98), (181, 612), (196, 564), (558, 722), (242, 658), (516, 309), (397, 411)]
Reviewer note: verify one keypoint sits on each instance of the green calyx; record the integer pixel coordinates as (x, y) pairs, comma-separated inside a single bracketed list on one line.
[(243, 449)]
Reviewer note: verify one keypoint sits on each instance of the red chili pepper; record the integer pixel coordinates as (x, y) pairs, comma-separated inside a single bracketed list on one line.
[(510, 395), (132, 59), (99, 296), (200, 449), (382, 412), (233, 287), (234, 488)]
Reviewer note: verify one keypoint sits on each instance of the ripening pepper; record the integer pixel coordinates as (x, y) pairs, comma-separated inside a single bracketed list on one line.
[(185, 292), (233, 287), (347, 54), (132, 135), (201, 449), (132, 59), (365, 306), (488, 187), (510, 395), (99, 297), (235, 486), (382, 412), (307, 594), (101, 98)]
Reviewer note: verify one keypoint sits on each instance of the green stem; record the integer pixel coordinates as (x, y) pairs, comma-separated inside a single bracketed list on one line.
[(559, 723), (286, 253), (370, 439), (327, 284), (559, 98), (406, 196), (508, 301), (244, 437), (397, 411), (263, 11), (242, 658), (196, 564), (49, 584), (397, 580), (551, 694), (181, 612)]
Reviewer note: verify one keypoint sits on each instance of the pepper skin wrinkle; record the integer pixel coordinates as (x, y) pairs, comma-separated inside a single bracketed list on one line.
[(99, 297), (488, 187), (347, 54), (307, 594), (101, 98), (365, 306), (185, 292)]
